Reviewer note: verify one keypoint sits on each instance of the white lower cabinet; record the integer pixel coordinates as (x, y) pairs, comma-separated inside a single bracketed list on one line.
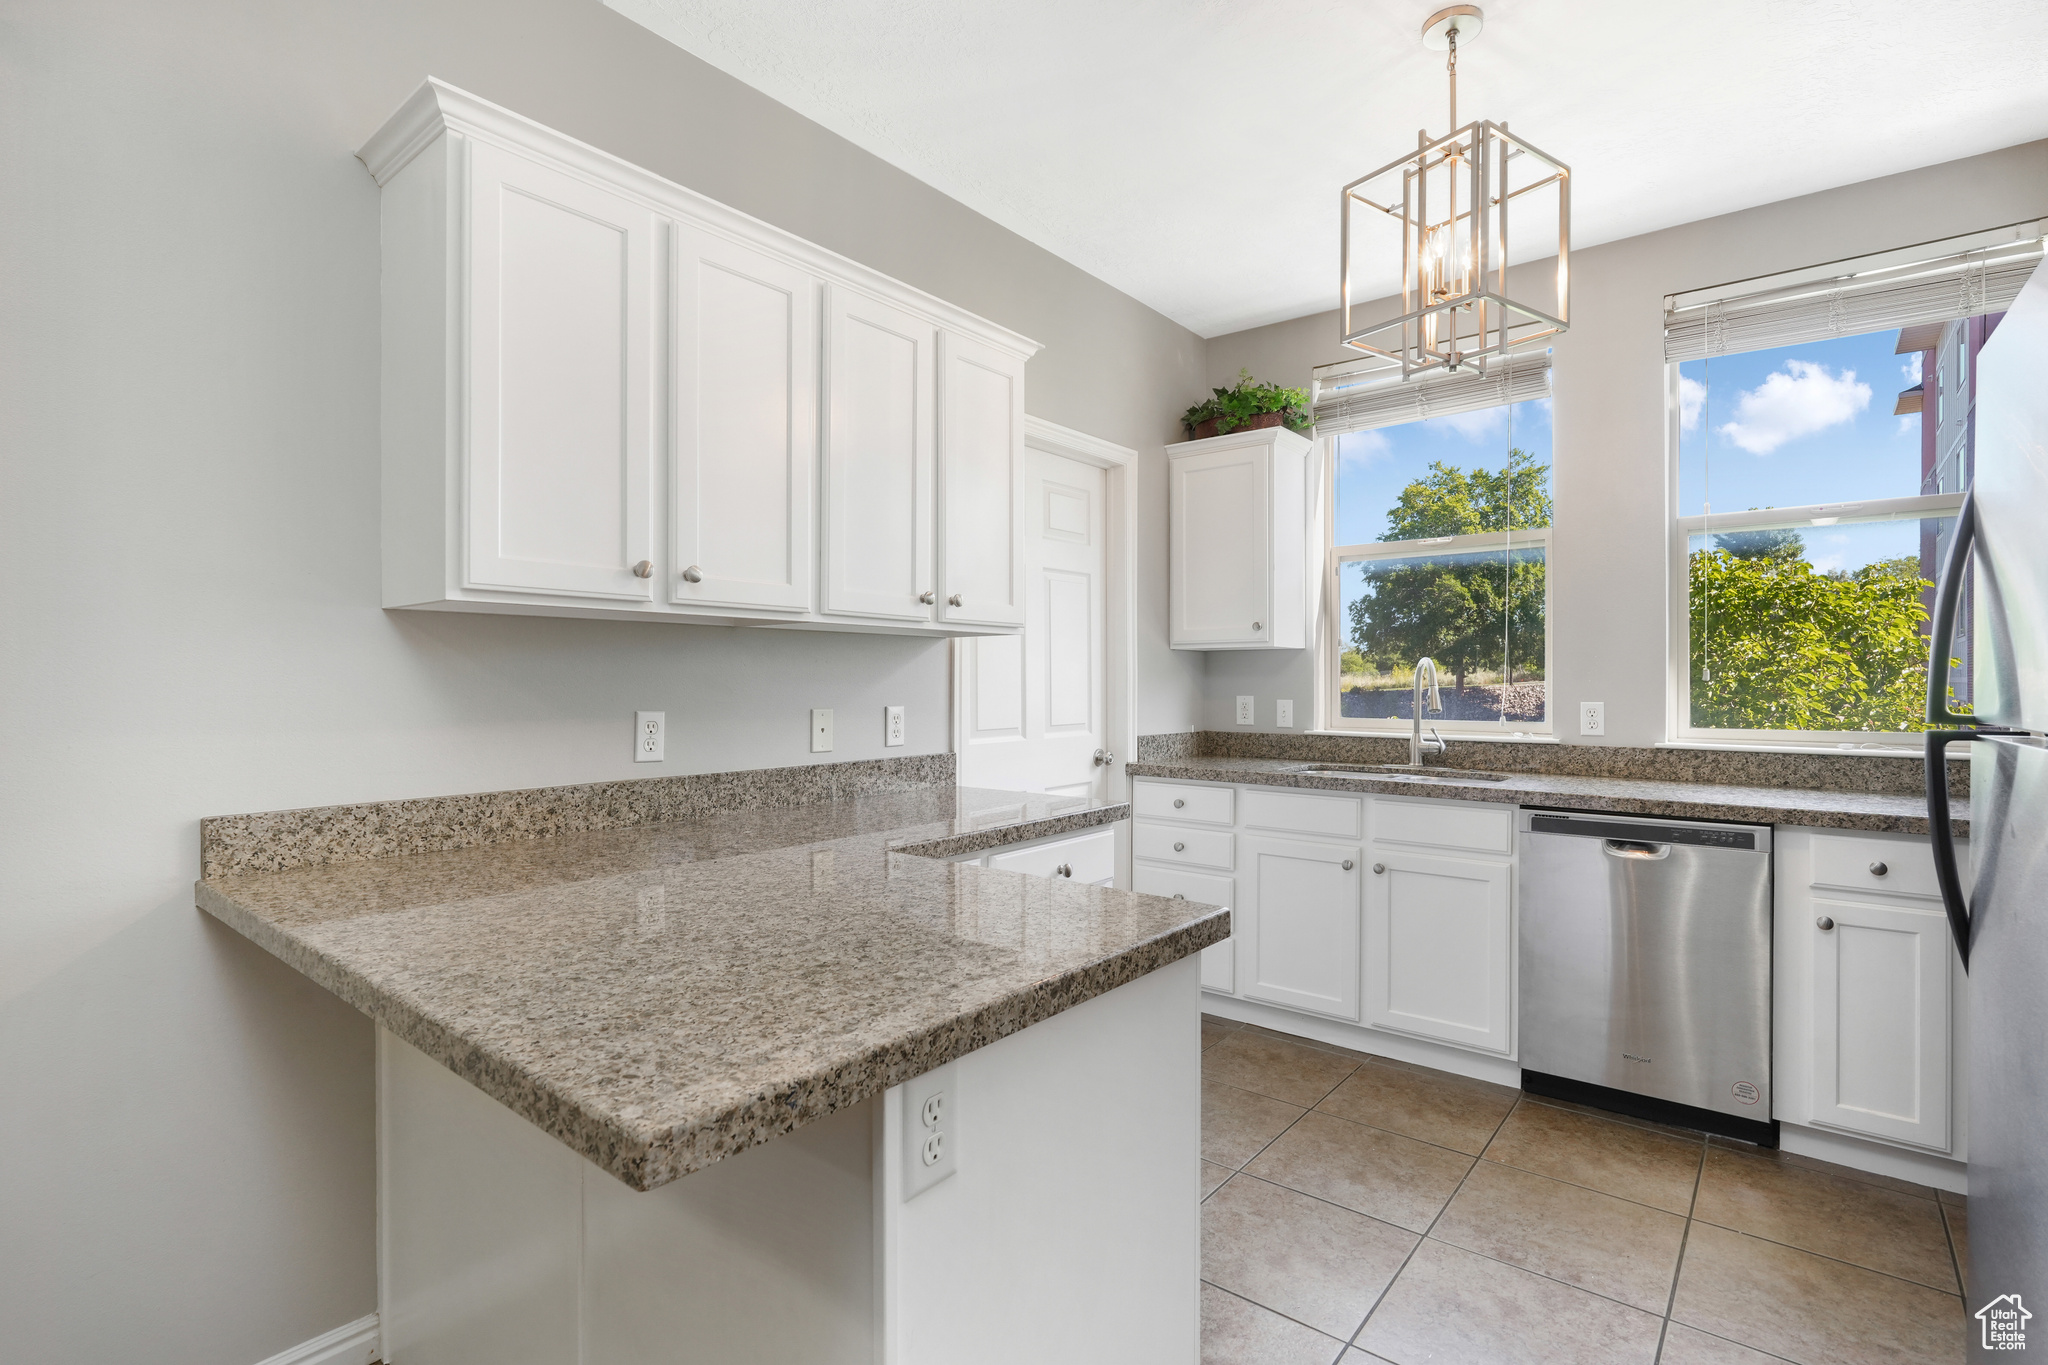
[(1880, 1035), (1439, 948), (1219, 960), (1299, 938)]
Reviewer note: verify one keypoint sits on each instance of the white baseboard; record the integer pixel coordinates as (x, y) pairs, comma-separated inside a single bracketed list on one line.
[(1359, 1038), (354, 1343), (1878, 1158)]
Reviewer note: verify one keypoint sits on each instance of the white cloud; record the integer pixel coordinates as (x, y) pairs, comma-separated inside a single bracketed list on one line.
[(1909, 426), (1357, 449), (1911, 368), (1477, 424), (1796, 401), (1692, 399)]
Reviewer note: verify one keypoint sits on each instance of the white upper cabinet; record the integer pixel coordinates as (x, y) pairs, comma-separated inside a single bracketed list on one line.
[(879, 376), (1238, 541), (744, 429), (606, 395), (562, 382), (981, 484)]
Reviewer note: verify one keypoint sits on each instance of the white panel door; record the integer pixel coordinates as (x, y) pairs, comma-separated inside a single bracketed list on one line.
[(981, 484), (1299, 942), (1439, 947), (563, 388), (745, 427), (1221, 557), (1881, 1021), (1032, 704), (878, 459)]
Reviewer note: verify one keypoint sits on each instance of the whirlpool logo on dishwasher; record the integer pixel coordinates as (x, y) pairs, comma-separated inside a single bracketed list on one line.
[(1631, 1057)]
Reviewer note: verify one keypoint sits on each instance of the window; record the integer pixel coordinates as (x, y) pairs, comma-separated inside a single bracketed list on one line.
[(1441, 510), (1818, 472)]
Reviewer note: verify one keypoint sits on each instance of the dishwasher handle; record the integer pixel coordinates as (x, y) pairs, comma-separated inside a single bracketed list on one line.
[(1634, 848)]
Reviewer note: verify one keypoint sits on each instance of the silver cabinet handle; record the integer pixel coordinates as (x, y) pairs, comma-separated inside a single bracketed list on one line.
[(954, 600), (1379, 867), (1348, 864), (1179, 802), (1258, 625), (1065, 869), (1180, 848), (693, 574), (1825, 923), (644, 569), (925, 598), (1178, 896), (1878, 869)]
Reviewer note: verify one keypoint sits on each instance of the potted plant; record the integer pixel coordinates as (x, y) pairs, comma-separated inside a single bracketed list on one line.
[(1248, 406)]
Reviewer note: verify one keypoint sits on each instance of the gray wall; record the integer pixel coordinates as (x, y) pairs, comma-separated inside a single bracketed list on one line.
[(1609, 579), (188, 419)]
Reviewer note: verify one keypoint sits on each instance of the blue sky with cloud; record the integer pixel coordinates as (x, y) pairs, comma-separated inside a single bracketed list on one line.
[(1374, 466)]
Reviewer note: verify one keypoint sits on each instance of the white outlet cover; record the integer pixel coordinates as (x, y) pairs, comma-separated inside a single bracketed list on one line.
[(1283, 714), (1592, 717), (931, 1129), (821, 730), (650, 736), (1244, 710), (892, 726)]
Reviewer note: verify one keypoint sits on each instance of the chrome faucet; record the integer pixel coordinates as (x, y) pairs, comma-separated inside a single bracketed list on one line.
[(1417, 745)]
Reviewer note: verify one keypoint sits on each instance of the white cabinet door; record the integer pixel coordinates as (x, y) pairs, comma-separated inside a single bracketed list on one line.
[(981, 484), (1881, 1021), (744, 427), (562, 319), (1221, 551), (1439, 941), (1219, 960), (1299, 942), (879, 364)]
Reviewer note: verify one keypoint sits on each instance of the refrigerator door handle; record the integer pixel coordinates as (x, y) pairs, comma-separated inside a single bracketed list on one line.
[(1942, 834), (1941, 635)]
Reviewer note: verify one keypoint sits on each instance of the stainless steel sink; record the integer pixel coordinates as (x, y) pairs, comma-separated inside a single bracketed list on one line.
[(1400, 772)]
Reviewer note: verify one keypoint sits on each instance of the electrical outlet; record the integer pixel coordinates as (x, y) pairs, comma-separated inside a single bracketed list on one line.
[(892, 726), (821, 730), (1283, 714), (1244, 710), (931, 1130), (650, 736), (1592, 717)]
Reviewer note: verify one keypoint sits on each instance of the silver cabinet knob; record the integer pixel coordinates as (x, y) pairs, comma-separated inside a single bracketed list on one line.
[(693, 574), (925, 598), (1379, 867), (1065, 869), (1825, 923), (1258, 625), (954, 600), (1179, 802), (1180, 848), (644, 569), (1878, 869), (1348, 864)]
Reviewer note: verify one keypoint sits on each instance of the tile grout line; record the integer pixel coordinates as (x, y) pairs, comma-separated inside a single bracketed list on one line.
[(1954, 1260), (1342, 1346), (1699, 1176)]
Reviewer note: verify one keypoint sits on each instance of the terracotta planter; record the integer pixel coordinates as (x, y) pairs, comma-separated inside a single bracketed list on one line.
[(1203, 431)]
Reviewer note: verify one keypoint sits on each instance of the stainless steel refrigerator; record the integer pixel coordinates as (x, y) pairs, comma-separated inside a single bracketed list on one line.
[(2001, 922)]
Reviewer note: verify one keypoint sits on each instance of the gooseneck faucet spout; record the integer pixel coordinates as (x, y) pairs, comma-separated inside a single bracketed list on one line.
[(1417, 745)]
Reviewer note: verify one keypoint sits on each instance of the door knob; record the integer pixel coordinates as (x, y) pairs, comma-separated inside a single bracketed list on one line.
[(1179, 802), (1825, 923), (1103, 758), (954, 600), (1379, 867), (925, 598), (1065, 869), (693, 574), (1180, 848), (1878, 869), (644, 569), (1348, 864)]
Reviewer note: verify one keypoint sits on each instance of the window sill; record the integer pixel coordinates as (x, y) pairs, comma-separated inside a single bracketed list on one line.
[(1455, 736)]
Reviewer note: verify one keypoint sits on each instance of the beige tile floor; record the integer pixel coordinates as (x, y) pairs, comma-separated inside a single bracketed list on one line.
[(1357, 1210)]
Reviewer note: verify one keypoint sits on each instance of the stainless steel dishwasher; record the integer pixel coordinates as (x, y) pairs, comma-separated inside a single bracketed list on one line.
[(1646, 968)]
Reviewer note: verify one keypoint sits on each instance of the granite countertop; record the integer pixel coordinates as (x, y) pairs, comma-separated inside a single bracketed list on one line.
[(1634, 796), (664, 995)]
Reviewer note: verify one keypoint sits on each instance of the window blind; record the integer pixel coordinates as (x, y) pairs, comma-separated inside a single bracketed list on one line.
[(1961, 285), (1361, 402)]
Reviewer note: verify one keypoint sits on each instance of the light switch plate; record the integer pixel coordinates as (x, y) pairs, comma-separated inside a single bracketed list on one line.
[(821, 730), (931, 1129), (892, 726), (1592, 717), (650, 736), (1283, 714), (1244, 710)]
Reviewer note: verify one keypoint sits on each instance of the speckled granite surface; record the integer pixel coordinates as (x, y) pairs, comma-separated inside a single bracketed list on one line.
[(664, 995), (1685, 800)]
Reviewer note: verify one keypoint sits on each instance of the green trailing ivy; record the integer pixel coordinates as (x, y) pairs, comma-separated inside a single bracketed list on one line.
[(1233, 407)]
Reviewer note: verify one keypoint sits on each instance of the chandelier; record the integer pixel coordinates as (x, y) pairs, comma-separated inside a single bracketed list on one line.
[(1450, 200)]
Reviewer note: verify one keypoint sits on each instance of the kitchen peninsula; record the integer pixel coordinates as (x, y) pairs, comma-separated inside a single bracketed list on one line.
[(642, 1060)]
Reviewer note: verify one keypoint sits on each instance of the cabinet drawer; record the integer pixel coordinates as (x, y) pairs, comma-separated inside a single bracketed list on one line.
[(1161, 801), (1852, 863), (1219, 960), (1444, 824), (1089, 858), (1171, 844), (1292, 812)]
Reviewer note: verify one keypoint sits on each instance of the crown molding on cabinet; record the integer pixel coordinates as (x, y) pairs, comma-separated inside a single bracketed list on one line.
[(438, 107)]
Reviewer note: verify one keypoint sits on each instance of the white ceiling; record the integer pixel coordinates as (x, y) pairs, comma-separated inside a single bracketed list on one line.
[(1190, 152)]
